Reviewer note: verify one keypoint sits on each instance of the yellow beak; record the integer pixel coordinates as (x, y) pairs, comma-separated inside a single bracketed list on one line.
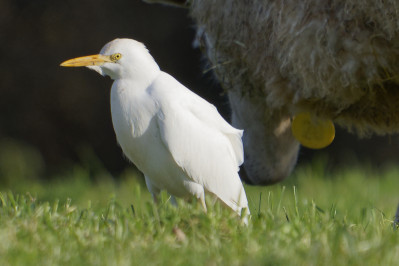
[(90, 60)]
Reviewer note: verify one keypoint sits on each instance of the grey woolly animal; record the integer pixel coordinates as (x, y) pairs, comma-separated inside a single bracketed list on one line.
[(337, 59)]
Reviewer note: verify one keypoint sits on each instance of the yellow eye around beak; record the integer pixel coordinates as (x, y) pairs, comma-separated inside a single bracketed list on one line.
[(90, 60)]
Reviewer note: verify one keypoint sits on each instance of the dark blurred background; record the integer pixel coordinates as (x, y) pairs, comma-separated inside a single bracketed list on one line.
[(53, 117)]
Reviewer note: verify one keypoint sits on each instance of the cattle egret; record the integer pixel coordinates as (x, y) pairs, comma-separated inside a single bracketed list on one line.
[(177, 139)]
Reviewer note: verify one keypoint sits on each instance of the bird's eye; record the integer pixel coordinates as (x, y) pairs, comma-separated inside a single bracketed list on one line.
[(116, 57)]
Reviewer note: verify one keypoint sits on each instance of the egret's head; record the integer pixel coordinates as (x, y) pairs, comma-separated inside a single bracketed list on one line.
[(120, 58)]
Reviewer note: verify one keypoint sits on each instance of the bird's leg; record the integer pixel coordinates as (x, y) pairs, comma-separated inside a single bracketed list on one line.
[(198, 192), (155, 198), (202, 199), (396, 221), (153, 189), (173, 201)]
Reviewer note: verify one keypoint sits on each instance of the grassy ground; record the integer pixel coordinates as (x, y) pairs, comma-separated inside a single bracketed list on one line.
[(315, 218)]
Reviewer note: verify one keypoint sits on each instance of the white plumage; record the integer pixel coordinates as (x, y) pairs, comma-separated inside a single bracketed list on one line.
[(177, 139)]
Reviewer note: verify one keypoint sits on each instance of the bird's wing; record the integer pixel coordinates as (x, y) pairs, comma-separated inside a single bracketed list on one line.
[(203, 144), (208, 114)]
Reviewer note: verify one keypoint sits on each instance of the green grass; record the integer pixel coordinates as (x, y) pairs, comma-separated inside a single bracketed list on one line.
[(315, 218)]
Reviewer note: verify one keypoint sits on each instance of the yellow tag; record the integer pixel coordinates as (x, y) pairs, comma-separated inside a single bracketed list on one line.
[(313, 132)]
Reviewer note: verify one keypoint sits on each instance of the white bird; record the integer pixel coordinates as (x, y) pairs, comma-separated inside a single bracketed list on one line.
[(177, 139)]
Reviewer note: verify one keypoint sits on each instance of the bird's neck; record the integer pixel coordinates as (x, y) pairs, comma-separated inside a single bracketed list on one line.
[(142, 73)]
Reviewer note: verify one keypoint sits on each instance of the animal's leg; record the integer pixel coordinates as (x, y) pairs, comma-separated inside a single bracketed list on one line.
[(173, 201), (198, 191), (153, 189), (202, 199), (396, 221)]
